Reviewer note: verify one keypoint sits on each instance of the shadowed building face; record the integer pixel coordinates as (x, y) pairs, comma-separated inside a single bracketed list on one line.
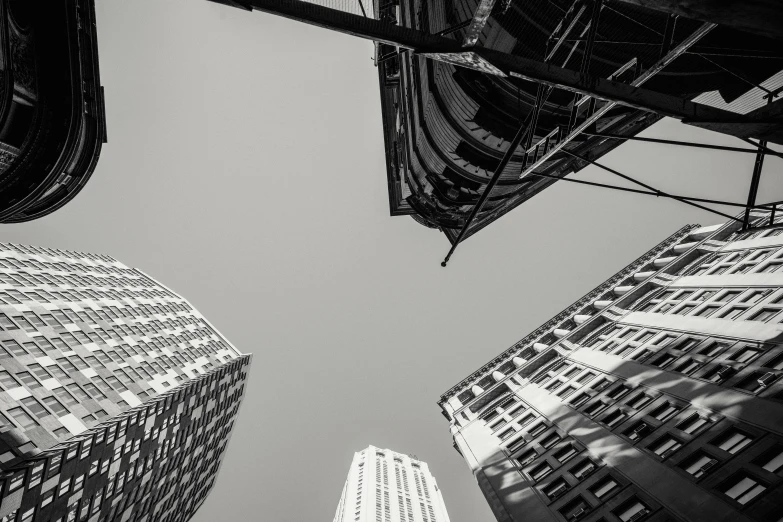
[(657, 396)]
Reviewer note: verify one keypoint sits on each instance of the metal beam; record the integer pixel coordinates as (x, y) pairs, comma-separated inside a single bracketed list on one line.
[(480, 18), (657, 194), (755, 179), (597, 114), (660, 193), (497, 62), (762, 17), (561, 38), (671, 142), (512, 147)]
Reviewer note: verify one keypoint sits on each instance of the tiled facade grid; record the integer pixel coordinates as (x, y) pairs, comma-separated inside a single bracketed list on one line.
[(156, 461), (657, 397), (117, 398), (83, 337)]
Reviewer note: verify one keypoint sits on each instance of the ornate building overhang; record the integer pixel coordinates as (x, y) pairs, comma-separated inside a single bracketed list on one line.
[(52, 117)]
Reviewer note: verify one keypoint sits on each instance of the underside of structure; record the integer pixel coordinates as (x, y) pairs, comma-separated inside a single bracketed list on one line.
[(447, 127), (487, 102), (52, 121)]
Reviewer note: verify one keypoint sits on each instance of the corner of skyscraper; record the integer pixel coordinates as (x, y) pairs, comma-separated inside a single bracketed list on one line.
[(117, 398), (655, 397)]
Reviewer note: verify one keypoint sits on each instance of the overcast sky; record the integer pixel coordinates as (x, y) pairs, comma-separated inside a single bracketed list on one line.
[(245, 170)]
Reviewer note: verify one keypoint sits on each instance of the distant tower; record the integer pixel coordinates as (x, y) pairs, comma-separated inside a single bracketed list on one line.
[(656, 397), (385, 486), (117, 398)]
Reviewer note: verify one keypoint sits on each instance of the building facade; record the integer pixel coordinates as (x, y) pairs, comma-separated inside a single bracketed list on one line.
[(446, 127), (655, 397), (385, 486), (117, 398), (52, 118)]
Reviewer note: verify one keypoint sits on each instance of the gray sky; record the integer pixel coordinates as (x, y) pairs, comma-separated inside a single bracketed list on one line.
[(245, 171)]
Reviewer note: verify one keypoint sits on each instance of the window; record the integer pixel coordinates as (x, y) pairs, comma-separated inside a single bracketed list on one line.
[(743, 488), (604, 487), (499, 424), (527, 457), (39, 371), (765, 314), (619, 392), (746, 355), (489, 416), (664, 360), (507, 434), (719, 373), (527, 419), (639, 431), (640, 401), (688, 366), (34, 406), (665, 446), (56, 406), (65, 397), (550, 440), (583, 468), (712, 349), (596, 408), (566, 453), (632, 510), (776, 363), (602, 384), (707, 311), (28, 380), (586, 377), (579, 400), (615, 418), (753, 383), (77, 392), (699, 464), (540, 472), (567, 391), (665, 411), (538, 429), (556, 488), (693, 423), (7, 380), (771, 460), (22, 417), (575, 509), (733, 441)]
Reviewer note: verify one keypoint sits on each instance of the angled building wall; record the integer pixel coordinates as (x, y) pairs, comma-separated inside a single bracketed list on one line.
[(655, 397), (117, 398)]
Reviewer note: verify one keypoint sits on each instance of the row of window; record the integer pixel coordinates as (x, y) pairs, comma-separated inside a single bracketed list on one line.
[(203, 391), (762, 305)]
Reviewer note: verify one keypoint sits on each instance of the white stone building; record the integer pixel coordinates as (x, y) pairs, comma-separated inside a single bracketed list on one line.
[(655, 397), (385, 486)]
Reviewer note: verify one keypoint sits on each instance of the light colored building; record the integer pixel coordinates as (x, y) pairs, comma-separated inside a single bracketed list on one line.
[(386, 486), (110, 384), (655, 397)]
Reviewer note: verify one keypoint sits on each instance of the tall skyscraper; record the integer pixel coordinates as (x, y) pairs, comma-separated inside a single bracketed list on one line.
[(385, 486), (656, 397), (117, 398)]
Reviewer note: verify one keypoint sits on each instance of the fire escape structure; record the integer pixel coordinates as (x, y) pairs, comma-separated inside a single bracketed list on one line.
[(572, 88)]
